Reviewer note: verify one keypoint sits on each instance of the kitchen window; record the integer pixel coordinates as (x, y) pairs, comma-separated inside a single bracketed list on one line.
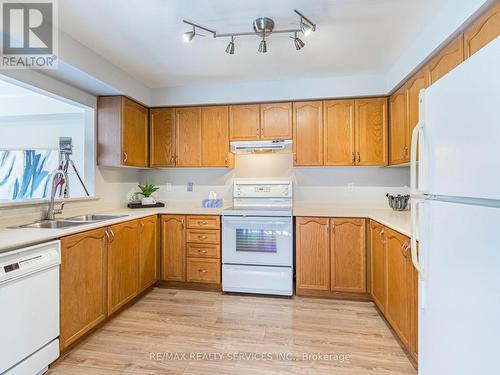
[(31, 125)]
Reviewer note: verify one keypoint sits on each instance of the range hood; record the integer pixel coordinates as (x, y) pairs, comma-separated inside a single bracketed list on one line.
[(248, 147)]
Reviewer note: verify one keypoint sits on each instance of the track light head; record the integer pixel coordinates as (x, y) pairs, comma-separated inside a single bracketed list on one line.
[(230, 46), (298, 42), (263, 46), (305, 27), (189, 35)]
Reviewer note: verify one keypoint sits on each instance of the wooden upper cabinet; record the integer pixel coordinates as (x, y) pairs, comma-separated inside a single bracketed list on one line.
[(397, 309), (348, 255), (338, 141), (371, 131), (313, 253), (162, 137), (83, 284), (308, 133), (122, 132), (378, 264), (416, 83), (244, 122), (399, 147), (483, 31), (148, 252), (446, 60), (173, 248), (276, 121), (123, 264), (188, 140), (215, 136)]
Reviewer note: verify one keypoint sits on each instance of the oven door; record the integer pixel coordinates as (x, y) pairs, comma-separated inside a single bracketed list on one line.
[(252, 240)]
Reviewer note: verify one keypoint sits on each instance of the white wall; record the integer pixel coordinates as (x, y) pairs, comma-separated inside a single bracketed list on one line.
[(312, 184)]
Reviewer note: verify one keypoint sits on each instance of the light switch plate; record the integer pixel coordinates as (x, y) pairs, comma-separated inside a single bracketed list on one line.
[(168, 186), (190, 187), (350, 187)]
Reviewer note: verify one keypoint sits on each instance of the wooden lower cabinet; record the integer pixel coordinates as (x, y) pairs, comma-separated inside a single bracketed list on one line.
[(378, 259), (173, 248), (394, 286), (330, 255), (123, 264), (148, 252), (348, 255), (83, 282), (190, 251), (313, 253)]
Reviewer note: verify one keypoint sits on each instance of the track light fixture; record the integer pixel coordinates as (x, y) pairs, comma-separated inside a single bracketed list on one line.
[(297, 42), (263, 27), (230, 46), (263, 46)]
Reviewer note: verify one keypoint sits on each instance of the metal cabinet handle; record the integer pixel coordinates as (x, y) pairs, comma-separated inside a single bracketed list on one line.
[(202, 237), (353, 157), (142, 226), (107, 236), (125, 157), (359, 157), (111, 234), (182, 223), (202, 222), (404, 249), (202, 271), (202, 251)]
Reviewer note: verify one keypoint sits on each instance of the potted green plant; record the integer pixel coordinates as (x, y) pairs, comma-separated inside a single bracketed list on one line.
[(146, 191)]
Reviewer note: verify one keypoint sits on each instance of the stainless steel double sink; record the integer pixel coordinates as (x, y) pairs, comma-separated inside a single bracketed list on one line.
[(70, 222)]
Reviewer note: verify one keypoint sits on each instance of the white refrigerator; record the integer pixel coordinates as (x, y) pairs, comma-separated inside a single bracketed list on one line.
[(455, 189)]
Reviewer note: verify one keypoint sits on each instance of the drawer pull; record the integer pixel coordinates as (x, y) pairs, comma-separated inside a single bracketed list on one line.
[(202, 251), (202, 237), (202, 222), (202, 270)]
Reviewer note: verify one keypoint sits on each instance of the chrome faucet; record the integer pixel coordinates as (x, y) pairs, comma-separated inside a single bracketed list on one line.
[(59, 179)]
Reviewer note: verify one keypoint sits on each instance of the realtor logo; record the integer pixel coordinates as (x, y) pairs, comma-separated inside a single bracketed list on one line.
[(29, 34)]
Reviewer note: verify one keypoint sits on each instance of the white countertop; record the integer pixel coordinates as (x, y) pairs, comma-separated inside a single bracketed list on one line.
[(11, 238), (400, 221)]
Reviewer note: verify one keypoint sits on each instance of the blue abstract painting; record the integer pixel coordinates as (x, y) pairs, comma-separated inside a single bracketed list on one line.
[(25, 174)]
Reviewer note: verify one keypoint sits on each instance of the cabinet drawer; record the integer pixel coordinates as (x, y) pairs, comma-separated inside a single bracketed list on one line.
[(205, 222), (203, 250), (203, 236), (203, 270)]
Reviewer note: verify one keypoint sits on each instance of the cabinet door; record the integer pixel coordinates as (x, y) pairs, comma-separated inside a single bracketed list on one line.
[(135, 134), (276, 121), (162, 135), (398, 128), (397, 307), (188, 136), (308, 133), (371, 131), (215, 136), (313, 253), (378, 264), (123, 264), (483, 31), (418, 82), (244, 122), (148, 252), (446, 60), (413, 291), (173, 248), (348, 255), (83, 284), (338, 141)]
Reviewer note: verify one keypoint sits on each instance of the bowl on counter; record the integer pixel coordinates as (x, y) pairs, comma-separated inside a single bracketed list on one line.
[(398, 202)]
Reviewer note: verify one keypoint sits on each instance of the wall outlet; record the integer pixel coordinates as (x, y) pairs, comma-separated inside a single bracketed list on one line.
[(190, 187), (350, 187), (168, 186)]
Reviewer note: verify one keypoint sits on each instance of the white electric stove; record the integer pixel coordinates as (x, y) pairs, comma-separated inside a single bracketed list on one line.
[(257, 238)]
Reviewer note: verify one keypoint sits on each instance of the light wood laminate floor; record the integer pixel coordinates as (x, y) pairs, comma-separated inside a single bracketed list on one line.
[(183, 323)]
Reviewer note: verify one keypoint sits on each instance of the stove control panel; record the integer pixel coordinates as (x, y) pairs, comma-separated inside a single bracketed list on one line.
[(262, 189)]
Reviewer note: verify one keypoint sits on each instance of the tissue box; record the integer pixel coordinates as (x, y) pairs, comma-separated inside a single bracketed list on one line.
[(212, 203)]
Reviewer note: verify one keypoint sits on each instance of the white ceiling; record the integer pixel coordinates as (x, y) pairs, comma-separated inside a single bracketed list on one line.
[(143, 38)]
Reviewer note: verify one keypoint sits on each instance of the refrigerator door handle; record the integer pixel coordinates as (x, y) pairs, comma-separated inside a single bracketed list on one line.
[(416, 134), (414, 222)]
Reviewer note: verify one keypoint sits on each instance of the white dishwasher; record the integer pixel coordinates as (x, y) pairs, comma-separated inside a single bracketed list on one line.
[(29, 309)]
